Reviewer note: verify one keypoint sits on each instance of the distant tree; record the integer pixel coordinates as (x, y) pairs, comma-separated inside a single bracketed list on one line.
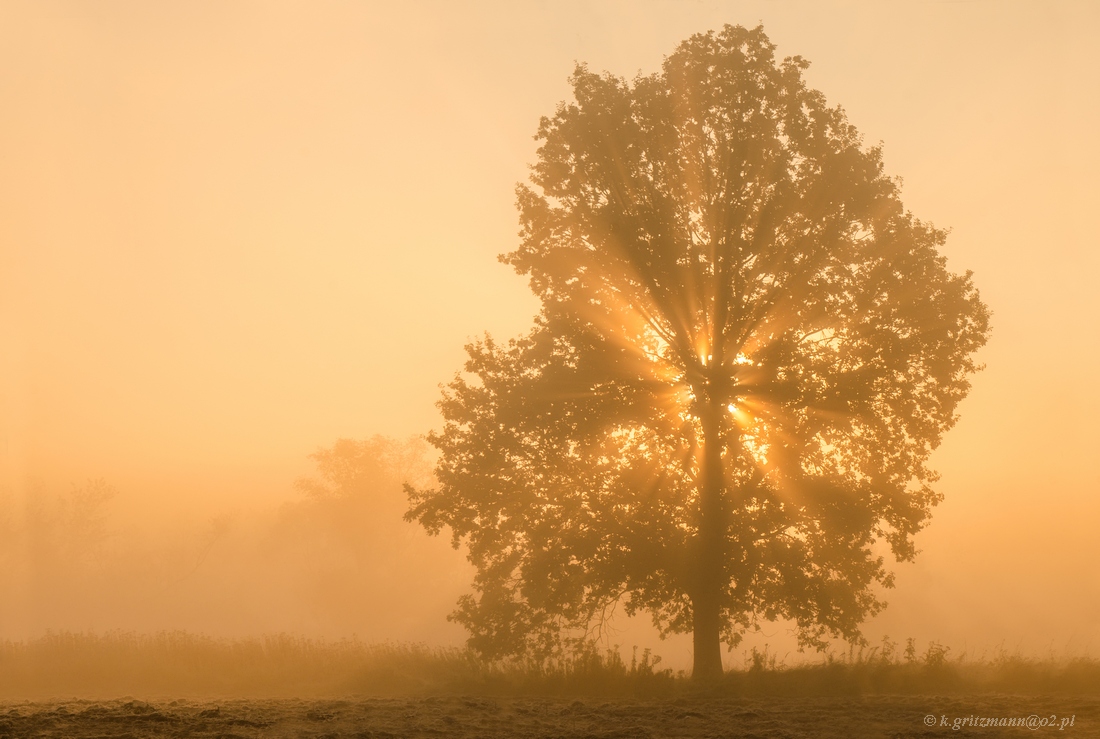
[(353, 470), (342, 554), (747, 351), (348, 522)]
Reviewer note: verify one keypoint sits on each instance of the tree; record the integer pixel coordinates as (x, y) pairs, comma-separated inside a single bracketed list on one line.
[(747, 351), (340, 559)]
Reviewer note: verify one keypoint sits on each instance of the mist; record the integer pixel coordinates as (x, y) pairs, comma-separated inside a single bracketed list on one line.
[(335, 562), (241, 247)]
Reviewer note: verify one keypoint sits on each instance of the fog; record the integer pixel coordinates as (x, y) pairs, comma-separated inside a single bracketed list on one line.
[(233, 235), (336, 562)]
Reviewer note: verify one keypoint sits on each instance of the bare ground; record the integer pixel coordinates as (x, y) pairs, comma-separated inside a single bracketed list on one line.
[(531, 718)]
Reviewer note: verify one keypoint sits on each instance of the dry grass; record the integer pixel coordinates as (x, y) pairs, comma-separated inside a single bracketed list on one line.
[(886, 671), (180, 664)]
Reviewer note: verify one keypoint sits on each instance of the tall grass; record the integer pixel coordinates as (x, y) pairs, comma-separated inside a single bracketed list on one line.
[(887, 670), (180, 664)]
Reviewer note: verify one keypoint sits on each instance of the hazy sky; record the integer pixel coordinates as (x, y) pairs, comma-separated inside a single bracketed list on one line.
[(232, 232)]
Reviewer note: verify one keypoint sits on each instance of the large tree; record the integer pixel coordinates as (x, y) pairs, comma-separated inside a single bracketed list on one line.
[(747, 351)]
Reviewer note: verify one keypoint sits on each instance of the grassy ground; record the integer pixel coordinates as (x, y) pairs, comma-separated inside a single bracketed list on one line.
[(181, 665)]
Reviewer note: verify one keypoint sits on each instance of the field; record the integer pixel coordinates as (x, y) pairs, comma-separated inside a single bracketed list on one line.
[(181, 685), (442, 716)]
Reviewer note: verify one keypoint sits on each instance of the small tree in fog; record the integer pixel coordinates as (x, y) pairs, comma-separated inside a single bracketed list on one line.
[(342, 552), (747, 351)]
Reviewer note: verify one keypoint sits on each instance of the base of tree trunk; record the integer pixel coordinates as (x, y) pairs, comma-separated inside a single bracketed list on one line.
[(707, 643)]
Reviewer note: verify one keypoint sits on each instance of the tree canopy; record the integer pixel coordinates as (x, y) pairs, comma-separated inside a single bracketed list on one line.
[(747, 351)]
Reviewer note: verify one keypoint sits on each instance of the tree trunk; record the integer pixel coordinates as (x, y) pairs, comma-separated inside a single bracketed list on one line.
[(706, 639), (705, 600)]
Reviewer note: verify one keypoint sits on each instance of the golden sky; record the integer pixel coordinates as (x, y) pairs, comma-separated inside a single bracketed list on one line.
[(234, 232)]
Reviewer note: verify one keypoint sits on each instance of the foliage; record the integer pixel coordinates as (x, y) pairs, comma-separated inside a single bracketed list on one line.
[(746, 353), (355, 470)]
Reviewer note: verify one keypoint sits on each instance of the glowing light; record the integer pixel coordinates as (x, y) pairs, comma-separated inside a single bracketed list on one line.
[(740, 416)]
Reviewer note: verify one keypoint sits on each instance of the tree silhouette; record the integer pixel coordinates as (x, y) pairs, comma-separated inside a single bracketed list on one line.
[(747, 351)]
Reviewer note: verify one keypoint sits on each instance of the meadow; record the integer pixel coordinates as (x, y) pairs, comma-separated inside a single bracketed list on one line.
[(181, 684)]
